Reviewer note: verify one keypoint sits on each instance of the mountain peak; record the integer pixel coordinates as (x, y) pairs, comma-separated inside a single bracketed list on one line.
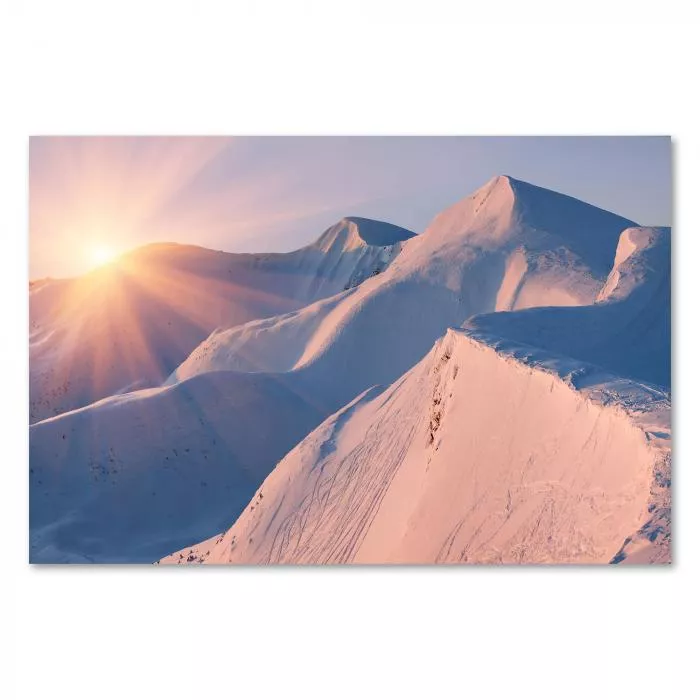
[(643, 257), (502, 180), (484, 216), (510, 212), (355, 231)]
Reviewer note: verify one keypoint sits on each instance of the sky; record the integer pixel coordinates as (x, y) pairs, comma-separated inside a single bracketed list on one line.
[(94, 197)]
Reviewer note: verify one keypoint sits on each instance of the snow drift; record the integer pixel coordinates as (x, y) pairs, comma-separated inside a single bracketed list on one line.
[(627, 329), (482, 453)]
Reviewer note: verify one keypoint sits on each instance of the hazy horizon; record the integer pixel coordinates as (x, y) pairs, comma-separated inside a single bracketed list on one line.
[(96, 197)]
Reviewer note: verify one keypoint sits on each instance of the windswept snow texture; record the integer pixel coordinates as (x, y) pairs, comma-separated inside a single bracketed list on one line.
[(482, 453), (128, 325)]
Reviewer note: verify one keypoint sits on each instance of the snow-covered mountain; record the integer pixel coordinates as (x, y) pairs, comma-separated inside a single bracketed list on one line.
[(494, 389), (179, 456), (481, 453), (129, 324), (510, 245), (504, 444)]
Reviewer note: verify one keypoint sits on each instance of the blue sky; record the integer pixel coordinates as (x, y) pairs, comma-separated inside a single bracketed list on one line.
[(278, 193)]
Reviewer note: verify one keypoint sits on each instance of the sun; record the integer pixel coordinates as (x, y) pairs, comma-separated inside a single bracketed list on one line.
[(100, 254)]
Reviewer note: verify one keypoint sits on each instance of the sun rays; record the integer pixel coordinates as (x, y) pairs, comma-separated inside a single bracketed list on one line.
[(223, 193), (100, 254), (116, 188), (128, 324)]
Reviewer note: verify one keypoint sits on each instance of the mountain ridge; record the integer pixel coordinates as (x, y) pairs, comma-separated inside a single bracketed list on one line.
[(372, 484), (439, 278)]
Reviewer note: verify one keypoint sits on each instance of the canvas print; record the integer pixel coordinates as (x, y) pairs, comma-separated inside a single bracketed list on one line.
[(350, 350)]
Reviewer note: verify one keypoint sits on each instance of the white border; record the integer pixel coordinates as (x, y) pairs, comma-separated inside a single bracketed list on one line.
[(368, 67)]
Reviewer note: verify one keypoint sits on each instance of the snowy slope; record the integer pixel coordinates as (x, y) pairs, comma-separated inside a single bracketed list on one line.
[(484, 452), (129, 324), (509, 245), (134, 476), (627, 329)]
